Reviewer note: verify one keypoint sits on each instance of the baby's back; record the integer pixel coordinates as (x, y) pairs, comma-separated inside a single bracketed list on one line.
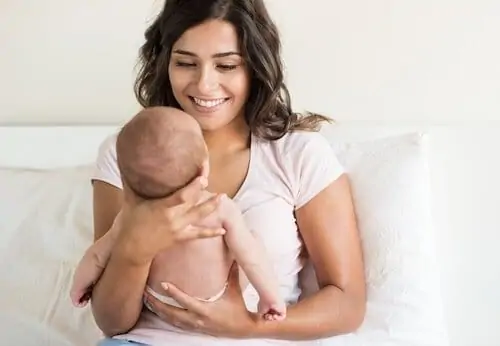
[(199, 267)]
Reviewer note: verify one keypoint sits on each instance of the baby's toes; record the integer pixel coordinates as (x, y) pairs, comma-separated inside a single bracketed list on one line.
[(268, 317)]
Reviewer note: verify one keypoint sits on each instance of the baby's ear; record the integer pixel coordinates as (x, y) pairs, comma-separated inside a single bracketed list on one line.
[(129, 196)]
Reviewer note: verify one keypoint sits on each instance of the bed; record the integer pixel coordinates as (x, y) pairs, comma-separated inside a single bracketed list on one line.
[(46, 224)]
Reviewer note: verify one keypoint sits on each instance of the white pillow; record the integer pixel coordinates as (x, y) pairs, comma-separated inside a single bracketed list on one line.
[(46, 225), (391, 191)]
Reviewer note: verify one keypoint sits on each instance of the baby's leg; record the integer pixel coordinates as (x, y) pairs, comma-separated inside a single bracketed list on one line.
[(252, 257), (90, 268)]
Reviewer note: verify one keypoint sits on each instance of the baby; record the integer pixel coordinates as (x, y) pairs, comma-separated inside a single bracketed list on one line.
[(160, 151)]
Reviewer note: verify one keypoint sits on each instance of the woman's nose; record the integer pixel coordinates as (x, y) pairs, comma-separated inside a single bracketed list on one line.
[(207, 81)]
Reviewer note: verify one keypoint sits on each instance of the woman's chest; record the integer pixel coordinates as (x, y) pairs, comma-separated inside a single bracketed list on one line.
[(268, 212), (228, 174)]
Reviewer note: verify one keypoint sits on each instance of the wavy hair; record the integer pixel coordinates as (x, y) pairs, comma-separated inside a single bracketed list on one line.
[(268, 111)]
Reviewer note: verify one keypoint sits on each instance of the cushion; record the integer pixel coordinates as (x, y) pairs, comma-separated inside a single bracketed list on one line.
[(46, 225), (390, 185)]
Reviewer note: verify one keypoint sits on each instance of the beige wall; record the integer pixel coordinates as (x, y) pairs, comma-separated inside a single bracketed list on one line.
[(408, 61)]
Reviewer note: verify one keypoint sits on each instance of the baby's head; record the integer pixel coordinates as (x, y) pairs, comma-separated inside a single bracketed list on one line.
[(159, 151)]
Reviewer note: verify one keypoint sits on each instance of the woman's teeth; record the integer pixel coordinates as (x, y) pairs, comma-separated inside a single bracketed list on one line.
[(208, 103)]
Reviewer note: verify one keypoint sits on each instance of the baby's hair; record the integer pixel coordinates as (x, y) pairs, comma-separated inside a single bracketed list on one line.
[(155, 156)]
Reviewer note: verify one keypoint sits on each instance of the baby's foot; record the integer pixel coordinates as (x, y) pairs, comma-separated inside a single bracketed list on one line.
[(272, 311)]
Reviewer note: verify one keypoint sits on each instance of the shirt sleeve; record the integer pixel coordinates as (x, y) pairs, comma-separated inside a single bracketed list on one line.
[(315, 166), (106, 166)]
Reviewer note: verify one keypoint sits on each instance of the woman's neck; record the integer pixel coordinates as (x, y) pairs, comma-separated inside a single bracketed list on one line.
[(230, 139)]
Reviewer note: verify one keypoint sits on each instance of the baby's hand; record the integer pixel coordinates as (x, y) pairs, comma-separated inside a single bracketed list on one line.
[(86, 275), (272, 311), (230, 213), (80, 298)]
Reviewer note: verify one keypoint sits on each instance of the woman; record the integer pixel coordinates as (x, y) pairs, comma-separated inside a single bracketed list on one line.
[(219, 60)]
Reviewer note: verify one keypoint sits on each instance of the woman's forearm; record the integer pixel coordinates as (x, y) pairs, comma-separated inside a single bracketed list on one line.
[(327, 313), (117, 298)]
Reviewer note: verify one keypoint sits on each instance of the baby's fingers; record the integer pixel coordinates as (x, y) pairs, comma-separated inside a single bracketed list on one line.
[(80, 298)]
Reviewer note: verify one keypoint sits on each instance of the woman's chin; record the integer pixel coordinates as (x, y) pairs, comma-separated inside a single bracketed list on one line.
[(210, 126), (213, 121)]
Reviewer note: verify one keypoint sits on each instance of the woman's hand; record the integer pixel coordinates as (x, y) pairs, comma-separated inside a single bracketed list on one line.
[(226, 317), (150, 226)]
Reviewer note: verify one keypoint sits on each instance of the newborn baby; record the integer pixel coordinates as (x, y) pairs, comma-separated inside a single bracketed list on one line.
[(160, 151)]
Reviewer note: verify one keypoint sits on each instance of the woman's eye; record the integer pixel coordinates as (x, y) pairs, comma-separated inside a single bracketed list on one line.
[(227, 67), (184, 64)]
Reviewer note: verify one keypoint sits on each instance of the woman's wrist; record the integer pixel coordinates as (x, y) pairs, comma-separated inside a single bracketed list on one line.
[(117, 296), (128, 251), (259, 328)]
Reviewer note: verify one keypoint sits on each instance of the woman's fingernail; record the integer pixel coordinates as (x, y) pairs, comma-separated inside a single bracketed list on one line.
[(165, 286)]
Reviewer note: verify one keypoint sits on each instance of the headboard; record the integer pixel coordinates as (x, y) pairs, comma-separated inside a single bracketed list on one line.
[(51, 146)]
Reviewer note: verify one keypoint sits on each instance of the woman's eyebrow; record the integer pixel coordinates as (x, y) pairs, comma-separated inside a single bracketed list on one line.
[(216, 55)]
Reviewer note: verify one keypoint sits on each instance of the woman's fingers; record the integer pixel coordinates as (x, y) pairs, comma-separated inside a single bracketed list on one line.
[(182, 216), (199, 212), (190, 194), (191, 304), (191, 233), (184, 318), (167, 313)]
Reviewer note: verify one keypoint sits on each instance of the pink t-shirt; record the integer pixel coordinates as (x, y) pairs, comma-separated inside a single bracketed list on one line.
[(283, 176)]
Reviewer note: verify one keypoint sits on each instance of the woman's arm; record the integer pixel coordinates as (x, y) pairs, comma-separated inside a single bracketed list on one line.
[(328, 226), (147, 227), (117, 296)]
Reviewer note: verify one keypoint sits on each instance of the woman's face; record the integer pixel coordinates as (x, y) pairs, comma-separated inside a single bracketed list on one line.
[(208, 75)]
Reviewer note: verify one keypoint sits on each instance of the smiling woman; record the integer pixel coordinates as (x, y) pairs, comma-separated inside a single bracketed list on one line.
[(209, 77), (220, 61), (233, 59)]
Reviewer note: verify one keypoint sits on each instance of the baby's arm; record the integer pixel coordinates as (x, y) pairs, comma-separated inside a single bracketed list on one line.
[(91, 266), (251, 255)]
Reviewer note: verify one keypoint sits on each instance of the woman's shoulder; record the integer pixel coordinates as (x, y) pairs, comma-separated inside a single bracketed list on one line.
[(108, 144), (106, 166), (305, 160), (107, 148), (299, 142)]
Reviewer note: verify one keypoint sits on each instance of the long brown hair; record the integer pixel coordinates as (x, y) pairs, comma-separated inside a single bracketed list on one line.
[(268, 109)]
